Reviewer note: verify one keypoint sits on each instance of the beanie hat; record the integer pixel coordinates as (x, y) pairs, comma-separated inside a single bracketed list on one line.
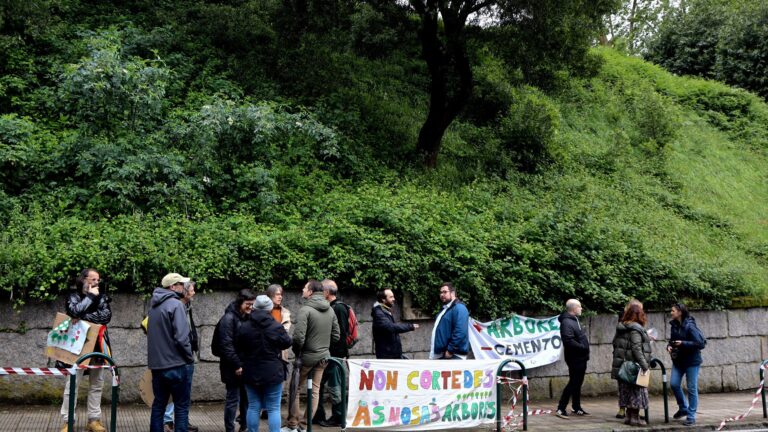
[(263, 302)]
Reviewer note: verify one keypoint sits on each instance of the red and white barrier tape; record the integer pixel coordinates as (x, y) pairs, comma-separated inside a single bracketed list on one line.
[(511, 417), (46, 371), (751, 407)]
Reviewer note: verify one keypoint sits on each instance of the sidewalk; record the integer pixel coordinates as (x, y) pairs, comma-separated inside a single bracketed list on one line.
[(209, 417)]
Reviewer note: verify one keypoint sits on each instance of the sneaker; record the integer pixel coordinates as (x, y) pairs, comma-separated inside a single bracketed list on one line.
[(689, 422), (620, 414), (192, 428), (329, 423), (95, 426), (581, 412), (288, 429), (168, 427), (679, 414), (562, 414)]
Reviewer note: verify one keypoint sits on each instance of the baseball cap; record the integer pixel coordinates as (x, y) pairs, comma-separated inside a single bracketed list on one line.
[(172, 279)]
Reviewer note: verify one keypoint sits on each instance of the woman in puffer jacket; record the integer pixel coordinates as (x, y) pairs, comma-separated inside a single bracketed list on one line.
[(632, 343), (260, 342)]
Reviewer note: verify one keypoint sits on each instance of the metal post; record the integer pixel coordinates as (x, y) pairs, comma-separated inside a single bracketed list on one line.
[(657, 362), (115, 390), (762, 392), (499, 371), (309, 400), (72, 398)]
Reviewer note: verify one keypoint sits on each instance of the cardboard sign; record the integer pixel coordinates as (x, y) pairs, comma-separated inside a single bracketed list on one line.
[(69, 336), (88, 346), (145, 389)]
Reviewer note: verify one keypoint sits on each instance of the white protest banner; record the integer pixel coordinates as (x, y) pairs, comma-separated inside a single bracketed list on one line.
[(69, 336), (534, 342), (421, 394)]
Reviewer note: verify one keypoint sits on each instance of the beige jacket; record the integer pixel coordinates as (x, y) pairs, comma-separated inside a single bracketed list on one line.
[(286, 322)]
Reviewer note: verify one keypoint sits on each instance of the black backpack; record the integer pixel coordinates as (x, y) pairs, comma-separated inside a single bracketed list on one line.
[(216, 340)]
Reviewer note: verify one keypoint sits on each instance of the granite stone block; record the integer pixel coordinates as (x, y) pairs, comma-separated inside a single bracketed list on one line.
[(747, 322), (748, 375), (602, 329), (730, 380), (731, 351), (711, 379)]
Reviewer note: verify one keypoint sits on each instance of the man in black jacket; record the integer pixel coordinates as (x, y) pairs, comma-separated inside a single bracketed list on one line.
[(386, 333), (576, 353), (231, 365), (91, 304)]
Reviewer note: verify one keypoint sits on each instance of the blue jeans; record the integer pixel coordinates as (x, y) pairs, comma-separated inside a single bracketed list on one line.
[(236, 397), (264, 397), (692, 381), (176, 382), (168, 415)]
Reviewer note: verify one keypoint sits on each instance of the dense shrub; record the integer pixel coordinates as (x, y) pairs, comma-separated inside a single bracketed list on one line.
[(529, 129)]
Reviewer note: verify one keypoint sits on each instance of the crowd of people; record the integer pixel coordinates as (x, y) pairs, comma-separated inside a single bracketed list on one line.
[(632, 349), (254, 341)]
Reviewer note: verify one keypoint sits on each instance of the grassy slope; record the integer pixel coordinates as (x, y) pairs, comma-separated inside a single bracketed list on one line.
[(700, 202)]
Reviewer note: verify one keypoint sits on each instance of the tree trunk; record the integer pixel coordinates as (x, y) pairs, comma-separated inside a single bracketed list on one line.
[(631, 34), (444, 61)]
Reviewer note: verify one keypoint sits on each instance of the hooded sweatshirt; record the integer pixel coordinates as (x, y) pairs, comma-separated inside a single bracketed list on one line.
[(168, 335), (316, 327)]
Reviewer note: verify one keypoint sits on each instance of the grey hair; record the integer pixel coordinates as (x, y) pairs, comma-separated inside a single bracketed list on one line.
[(273, 289), (330, 286)]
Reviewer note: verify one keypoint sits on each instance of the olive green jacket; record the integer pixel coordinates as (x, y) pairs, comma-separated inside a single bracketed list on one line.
[(316, 326)]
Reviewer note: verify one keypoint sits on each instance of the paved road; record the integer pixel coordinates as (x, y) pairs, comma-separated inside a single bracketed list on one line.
[(135, 418)]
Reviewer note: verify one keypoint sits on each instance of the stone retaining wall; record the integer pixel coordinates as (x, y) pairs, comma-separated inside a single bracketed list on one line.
[(737, 341)]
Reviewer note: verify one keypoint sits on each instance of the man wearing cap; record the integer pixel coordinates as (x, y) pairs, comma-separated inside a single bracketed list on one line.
[(169, 352)]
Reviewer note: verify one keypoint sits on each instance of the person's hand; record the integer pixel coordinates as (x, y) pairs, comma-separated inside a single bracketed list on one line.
[(669, 348), (415, 326), (239, 372), (677, 343), (93, 289)]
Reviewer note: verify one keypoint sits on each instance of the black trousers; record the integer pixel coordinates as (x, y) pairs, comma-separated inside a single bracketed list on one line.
[(572, 390)]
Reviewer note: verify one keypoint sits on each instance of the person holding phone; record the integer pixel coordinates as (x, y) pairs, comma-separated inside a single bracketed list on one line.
[(685, 344), (90, 303)]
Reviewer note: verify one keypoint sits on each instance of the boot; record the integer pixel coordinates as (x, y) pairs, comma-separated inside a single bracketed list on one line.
[(641, 419), (627, 415), (635, 417), (95, 426), (620, 414)]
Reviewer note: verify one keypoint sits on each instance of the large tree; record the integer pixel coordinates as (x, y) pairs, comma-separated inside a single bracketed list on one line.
[(553, 27)]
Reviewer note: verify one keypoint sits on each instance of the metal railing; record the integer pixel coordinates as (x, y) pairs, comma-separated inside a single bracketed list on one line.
[(340, 364), (524, 392), (656, 362), (762, 392), (115, 391)]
